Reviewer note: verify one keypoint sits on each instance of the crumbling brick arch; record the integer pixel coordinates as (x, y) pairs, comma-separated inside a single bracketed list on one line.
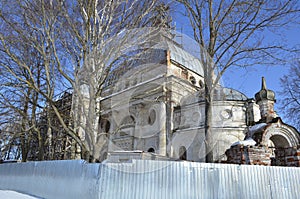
[(282, 136)]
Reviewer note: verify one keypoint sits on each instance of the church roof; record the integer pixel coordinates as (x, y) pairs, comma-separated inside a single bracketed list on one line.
[(220, 94), (223, 93), (184, 58), (188, 57)]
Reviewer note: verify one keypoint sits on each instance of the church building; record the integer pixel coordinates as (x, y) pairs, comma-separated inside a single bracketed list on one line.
[(157, 107)]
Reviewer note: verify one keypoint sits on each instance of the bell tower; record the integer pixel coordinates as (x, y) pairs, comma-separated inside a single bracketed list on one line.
[(265, 99)]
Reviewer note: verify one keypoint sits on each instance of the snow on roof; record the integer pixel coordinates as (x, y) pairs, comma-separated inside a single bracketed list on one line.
[(232, 94), (220, 94), (186, 59), (256, 128), (247, 142)]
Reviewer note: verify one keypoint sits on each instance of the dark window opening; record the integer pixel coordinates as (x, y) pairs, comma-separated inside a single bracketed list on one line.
[(184, 74), (201, 84), (151, 150), (152, 117), (182, 153), (104, 125), (193, 80), (177, 116)]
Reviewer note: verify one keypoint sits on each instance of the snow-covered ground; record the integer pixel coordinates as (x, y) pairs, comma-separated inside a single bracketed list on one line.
[(6, 194)]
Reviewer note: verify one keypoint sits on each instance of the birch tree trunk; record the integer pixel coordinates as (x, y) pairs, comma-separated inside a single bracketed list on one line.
[(79, 43)]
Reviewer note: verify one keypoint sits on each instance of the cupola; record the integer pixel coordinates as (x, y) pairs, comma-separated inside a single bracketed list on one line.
[(264, 93), (265, 99)]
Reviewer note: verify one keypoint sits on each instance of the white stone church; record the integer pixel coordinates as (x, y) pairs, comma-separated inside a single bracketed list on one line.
[(155, 108)]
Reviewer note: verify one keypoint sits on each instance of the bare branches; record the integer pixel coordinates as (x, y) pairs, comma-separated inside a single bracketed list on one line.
[(290, 103), (77, 44), (233, 25), (231, 33)]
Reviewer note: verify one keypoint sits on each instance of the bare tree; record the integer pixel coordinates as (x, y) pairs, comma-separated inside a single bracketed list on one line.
[(28, 68), (20, 103), (290, 102), (79, 43), (111, 31), (232, 33)]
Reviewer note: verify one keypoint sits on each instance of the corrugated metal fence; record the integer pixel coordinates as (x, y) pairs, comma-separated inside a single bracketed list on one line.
[(154, 179), (150, 179)]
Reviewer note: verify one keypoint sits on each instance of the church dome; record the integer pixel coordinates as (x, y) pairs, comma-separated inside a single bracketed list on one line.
[(264, 93), (228, 94), (220, 94)]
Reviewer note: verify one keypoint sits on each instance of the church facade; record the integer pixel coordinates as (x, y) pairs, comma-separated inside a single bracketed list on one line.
[(158, 107)]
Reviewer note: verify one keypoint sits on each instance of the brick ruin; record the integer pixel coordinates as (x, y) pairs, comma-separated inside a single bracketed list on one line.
[(287, 157), (252, 155), (270, 141), (263, 155)]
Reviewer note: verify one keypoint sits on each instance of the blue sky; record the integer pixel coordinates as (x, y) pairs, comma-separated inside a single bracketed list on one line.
[(248, 80)]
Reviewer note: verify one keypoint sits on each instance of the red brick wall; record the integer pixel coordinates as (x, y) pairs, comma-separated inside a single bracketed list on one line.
[(259, 155), (287, 157), (252, 155)]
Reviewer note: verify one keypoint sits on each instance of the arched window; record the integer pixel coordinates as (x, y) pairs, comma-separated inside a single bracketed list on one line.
[(152, 117), (151, 150), (104, 125), (279, 141), (193, 80), (184, 74), (182, 153), (201, 84), (177, 116)]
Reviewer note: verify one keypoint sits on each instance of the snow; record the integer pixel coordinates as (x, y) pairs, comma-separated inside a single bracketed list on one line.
[(247, 142), (14, 195), (256, 128)]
